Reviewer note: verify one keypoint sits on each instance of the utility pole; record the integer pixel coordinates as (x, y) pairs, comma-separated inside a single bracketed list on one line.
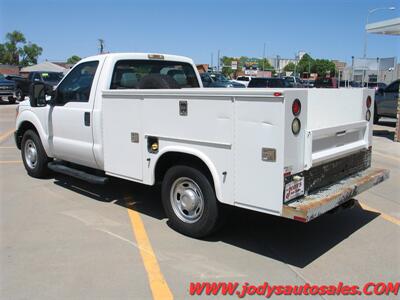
[(101, 46), (212, 60), (263, 65), (218, 60)]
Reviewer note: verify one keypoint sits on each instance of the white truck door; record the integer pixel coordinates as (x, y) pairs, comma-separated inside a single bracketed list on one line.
[(70, 119)]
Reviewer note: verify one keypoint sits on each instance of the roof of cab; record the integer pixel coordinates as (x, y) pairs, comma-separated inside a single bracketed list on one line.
[(133, 55)]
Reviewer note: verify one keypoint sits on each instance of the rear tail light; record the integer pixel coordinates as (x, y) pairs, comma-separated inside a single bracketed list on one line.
[(296, 125), (296, 107), (369, 101)]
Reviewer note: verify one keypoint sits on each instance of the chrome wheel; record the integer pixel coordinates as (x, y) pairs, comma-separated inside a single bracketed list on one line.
[(187, 200), (30, 154)]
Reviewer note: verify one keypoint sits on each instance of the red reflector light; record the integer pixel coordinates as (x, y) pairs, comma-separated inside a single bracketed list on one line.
[(296, 107), (369, 101), (301, 219), (277, 94)]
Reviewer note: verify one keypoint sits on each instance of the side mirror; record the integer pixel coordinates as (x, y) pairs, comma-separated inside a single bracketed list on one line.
[(37, 96)]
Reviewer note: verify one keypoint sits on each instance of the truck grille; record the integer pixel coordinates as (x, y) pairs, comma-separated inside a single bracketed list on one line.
[(331, 172)]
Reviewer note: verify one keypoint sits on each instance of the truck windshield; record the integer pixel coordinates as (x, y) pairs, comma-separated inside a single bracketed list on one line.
[(48, 76), (128, 74)]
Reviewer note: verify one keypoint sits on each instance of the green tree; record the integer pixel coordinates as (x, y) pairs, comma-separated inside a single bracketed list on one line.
[(226, 65), (15, 51), (324, 67), (264, 65), (305, 64), (73, 59), (290, 67), (30, 54), (2, 53)]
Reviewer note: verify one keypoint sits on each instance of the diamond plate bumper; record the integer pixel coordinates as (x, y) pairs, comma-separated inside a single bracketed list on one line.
[(313, 205)]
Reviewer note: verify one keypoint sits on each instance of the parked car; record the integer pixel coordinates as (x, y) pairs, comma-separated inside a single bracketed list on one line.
[(7, 89), (308, 83), (243, 80), (386, 101), (326, 83), (268, 82), (22, 84), (218, 77), (375, 85), (293, 81), (211, 80)]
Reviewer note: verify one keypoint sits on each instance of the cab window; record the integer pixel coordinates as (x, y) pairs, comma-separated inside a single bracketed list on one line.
[(78, 83), (393, 88), (128, 74)]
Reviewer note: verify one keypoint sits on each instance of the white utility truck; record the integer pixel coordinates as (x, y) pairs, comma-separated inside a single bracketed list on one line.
[(295, 153)]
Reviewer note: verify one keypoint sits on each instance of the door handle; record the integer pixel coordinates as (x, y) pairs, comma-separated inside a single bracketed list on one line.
[(87, 118)]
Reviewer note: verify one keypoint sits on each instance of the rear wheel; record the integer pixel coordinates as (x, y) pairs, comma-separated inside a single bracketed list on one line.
[(189, 201), (33, 155)]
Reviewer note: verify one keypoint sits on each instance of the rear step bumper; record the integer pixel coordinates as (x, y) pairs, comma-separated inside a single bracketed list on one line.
[(309, 207), (59, 167)]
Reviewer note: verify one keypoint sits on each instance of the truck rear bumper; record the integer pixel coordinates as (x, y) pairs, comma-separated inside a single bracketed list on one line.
[(313, 205)]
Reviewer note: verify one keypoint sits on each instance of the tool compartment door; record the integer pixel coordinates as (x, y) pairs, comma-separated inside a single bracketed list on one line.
[(259, 124), (122, 137)]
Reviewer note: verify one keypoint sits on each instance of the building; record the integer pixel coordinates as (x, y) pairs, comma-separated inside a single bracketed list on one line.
[(44, 67), (202, 68), (9, 70)]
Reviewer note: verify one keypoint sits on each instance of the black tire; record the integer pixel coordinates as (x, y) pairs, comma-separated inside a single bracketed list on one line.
[(207, 222), (19, 95), (376, 116), (39, 169), (156, 81), (11, 100)]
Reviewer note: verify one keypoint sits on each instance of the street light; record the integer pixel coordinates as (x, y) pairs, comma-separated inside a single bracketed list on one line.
[(369, 13), (366, 36)]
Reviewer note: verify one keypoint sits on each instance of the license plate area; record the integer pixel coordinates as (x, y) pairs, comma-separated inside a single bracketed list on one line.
[(294, 189)]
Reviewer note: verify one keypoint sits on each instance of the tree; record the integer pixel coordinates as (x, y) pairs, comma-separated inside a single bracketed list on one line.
[(15, 51), (73, 59), (324, 67), (290, 67), (264, 65), (305, 65), (13, 39), (30, 54)]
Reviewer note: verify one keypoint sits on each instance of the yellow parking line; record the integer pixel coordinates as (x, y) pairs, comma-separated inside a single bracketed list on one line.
[(10, 161), (382, 214), (386, 156), (158, 285), (5, 135)]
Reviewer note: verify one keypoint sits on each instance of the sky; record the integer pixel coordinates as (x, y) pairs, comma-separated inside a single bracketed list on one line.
[(325, 29)]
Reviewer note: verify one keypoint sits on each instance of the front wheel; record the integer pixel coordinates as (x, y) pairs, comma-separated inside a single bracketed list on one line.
[(11, 100), (189, 201), (376, 116), (33, 155), (19, 95)]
